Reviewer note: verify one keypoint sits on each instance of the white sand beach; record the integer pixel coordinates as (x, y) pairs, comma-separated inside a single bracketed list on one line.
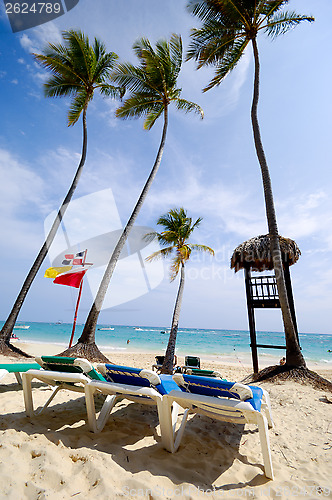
[(55, 456)]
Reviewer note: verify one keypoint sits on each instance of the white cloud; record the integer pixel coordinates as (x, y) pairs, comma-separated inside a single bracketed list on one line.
[(301, 216), (21, 195)]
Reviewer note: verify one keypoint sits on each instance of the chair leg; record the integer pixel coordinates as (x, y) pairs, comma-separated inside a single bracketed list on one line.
[(166, 423), (18, 377), (97, 424), (265, 445), (168, 419), (266, 407), (55, 391), (27, 393), (3, 373)]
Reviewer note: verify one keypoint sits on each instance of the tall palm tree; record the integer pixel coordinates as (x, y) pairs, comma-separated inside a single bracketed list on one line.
[(175, 239), (228, 27), (77, 70), (152, 87)]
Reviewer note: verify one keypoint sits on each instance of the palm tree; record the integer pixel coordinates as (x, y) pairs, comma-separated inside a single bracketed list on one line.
[(152, 87), (77, 69), (228, 27), (175, 240)]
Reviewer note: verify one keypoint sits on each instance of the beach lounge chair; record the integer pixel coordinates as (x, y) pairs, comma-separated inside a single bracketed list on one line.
[(59, 372), (17, 369), (202, 373), (192, 366), (223, 400), (192, 362), (134, 384), (160, 361)]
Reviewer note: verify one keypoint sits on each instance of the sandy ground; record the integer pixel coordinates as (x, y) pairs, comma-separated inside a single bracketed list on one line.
[(55, 456)]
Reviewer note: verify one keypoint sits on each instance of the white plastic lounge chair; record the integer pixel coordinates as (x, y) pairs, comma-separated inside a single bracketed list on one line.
[(17, 369), (134, 384), (223, 400), (59, 372)]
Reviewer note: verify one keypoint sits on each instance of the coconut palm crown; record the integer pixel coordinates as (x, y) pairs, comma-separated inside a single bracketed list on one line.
[(178, 229), (229, 26), (78, 69), (153, 83)]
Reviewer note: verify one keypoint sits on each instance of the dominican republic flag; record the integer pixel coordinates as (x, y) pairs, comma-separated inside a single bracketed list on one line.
[(53, 272), (71, 278), (73, 259)]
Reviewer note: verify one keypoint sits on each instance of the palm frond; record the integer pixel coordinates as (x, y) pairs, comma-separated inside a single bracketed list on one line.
[(77, 106), (176, 51), (228, 63), (159, 254), (188, 106), (282, 22), (202, 248), (151, 85), (109, 90), (210, 43), (175, 268), (267, 8), (59, 87), (138, 105), (77, 69), (152, 117)]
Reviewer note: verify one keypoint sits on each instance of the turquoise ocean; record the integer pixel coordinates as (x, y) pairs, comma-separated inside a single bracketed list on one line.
[(230, 345)]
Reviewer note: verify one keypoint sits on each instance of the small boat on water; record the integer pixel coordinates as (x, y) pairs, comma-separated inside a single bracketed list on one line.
[(106, 328), (22, 327)]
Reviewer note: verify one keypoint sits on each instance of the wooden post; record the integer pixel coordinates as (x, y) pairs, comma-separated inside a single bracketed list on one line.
[(251, 318)]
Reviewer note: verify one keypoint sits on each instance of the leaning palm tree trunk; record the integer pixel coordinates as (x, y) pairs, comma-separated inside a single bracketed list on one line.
[(170, 351), (5, 346), (88, 334), (293, 352)]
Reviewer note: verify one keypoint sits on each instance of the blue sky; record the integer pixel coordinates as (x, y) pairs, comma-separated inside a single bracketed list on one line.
[(209, 167)]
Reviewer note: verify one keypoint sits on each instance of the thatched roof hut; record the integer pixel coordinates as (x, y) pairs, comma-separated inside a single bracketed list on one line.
[(255, 253)]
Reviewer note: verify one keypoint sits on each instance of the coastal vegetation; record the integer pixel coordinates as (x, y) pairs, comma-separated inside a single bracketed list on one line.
[(78, 69), (178, 228), (151, 87), (228, 27)]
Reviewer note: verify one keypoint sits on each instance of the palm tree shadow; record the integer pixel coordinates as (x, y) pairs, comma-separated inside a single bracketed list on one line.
[(209, 448)]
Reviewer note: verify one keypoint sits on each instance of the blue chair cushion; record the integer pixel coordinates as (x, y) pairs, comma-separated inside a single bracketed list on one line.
[(207, 386), (129, 375)]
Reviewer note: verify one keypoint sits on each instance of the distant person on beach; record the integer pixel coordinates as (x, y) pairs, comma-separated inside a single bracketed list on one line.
[(282, 361), (128, 341)]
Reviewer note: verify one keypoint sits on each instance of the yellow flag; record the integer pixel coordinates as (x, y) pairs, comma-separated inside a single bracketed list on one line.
[(52, 272)]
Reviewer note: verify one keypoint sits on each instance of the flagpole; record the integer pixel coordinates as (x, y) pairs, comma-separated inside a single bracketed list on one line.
[(77, 304)]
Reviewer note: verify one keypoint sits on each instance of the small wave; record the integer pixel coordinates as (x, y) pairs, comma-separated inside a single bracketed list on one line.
[(112, 348)]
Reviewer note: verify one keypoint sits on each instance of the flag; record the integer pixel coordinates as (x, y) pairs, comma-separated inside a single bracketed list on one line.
[(73, 259), (52, 272), (71, 278)]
